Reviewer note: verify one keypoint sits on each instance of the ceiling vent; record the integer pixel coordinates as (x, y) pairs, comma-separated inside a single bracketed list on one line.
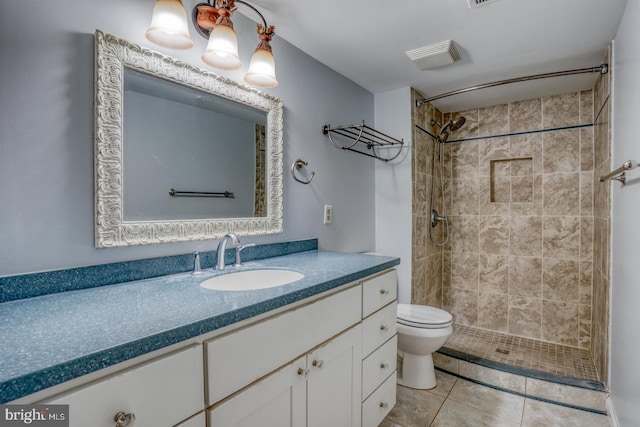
[(435, 55), (477, 3)]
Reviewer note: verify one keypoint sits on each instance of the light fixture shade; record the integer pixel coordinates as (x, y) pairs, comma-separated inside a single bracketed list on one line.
[(169, 26), (222, 49), (262, 70)]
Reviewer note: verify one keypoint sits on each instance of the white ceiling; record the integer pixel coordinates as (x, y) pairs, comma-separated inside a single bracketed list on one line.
[(365, 40)]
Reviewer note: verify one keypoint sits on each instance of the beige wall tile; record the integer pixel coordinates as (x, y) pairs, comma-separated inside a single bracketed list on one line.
[(586, 107), (561, 151), (561, 193), (561, 237), (586, 194), (561, 110), (493, 274), (494, 235), (464, 306), (493, 311), (508, 213), (525, 316), (560, 280), (526, 235), (586, 149), (525, 115), (493, 120), (560, 322), (586, 282), (529, 145), (525, 276), (464, 160), (464, 270), (464, 193), (491, 149)]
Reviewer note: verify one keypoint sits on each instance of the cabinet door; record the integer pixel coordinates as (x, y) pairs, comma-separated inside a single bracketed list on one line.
[(275, 401), (160, 393), (333, 385)]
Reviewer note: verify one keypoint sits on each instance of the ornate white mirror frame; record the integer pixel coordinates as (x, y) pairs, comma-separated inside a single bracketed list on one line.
[(112, 55)]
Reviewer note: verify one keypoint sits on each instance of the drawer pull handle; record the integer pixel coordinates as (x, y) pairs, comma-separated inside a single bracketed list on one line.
[(384, 365), (384, 292), (124, 419), (384, 328), (318, 363), (384, 405), (303, 372)]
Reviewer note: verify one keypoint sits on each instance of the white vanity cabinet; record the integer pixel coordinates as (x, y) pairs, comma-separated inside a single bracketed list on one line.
[(317, 390), (379, 347), (329, 362), (320, 387), (163, 392)]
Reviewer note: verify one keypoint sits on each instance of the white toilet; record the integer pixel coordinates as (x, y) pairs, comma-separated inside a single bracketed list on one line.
[(421, 331)]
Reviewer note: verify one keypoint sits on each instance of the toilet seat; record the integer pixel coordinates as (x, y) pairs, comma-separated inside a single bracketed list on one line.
[(422, 316)]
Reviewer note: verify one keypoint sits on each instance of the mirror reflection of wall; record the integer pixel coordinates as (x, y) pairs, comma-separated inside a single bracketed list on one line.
[(178, 137)]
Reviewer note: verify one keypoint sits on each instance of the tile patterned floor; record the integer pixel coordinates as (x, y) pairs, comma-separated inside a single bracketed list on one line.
[(523, 352), (456, 402)]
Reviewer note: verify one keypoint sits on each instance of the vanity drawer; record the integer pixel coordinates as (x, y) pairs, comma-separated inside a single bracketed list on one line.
[(380, 403), (160, 393), (241, 357), (378, 292), (378, 328), (378, 366)]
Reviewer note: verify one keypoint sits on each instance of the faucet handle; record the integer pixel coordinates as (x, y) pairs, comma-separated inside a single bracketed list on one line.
[(239, 249), (196, 263)]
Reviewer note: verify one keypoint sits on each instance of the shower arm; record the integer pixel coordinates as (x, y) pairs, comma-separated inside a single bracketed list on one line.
[(602, 69)]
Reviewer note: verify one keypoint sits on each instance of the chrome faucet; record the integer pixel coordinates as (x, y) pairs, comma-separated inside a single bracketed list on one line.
[(222, 247)]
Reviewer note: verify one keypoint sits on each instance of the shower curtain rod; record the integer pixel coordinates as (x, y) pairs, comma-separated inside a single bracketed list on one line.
[(602, 69)]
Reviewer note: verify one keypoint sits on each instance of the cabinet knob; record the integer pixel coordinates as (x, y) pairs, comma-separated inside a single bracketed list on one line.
[(124, 419), (384, 365), (303, 372), (318, 363), (384, 292), (384, 328), (384, 405)]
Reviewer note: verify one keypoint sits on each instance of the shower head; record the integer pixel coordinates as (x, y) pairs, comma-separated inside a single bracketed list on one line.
[(457, 123), (450, 126)]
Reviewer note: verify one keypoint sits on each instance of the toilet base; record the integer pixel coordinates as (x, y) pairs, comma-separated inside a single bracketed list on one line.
[(416, 371)]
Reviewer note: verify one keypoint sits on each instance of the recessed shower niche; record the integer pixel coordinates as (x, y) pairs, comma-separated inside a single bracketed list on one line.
[(511, 180)]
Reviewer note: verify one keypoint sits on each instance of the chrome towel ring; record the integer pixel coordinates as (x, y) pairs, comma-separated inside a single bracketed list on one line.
[(297, 165)]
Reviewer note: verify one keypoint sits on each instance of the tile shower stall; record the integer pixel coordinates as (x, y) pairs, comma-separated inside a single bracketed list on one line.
[(528, 250)]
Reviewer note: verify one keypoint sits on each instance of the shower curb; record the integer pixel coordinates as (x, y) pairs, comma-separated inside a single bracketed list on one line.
[(561, 390)]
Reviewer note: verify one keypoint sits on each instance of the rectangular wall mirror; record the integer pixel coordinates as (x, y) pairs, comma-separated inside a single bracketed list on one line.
[(181, 153)]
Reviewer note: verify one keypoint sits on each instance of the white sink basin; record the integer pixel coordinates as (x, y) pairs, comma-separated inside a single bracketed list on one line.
[(251, 279)]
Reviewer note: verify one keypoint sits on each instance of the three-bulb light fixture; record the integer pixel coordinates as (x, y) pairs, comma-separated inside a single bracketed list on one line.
[(169, 29)]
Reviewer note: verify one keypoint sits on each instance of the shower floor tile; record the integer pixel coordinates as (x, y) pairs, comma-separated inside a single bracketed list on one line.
[(522, 352)]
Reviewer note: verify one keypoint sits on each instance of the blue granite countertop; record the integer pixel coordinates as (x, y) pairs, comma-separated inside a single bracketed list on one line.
[(49, 339)]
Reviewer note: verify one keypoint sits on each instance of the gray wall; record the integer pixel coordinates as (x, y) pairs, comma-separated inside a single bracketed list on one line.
[(625, 285), (46, 136)]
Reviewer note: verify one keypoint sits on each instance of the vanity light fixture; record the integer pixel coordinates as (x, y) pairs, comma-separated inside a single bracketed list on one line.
[(169, 29)]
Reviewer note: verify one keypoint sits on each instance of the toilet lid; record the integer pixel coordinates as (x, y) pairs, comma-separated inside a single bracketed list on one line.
[(422, 316)]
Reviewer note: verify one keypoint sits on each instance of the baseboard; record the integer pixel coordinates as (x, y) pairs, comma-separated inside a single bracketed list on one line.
[(611, 413)]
